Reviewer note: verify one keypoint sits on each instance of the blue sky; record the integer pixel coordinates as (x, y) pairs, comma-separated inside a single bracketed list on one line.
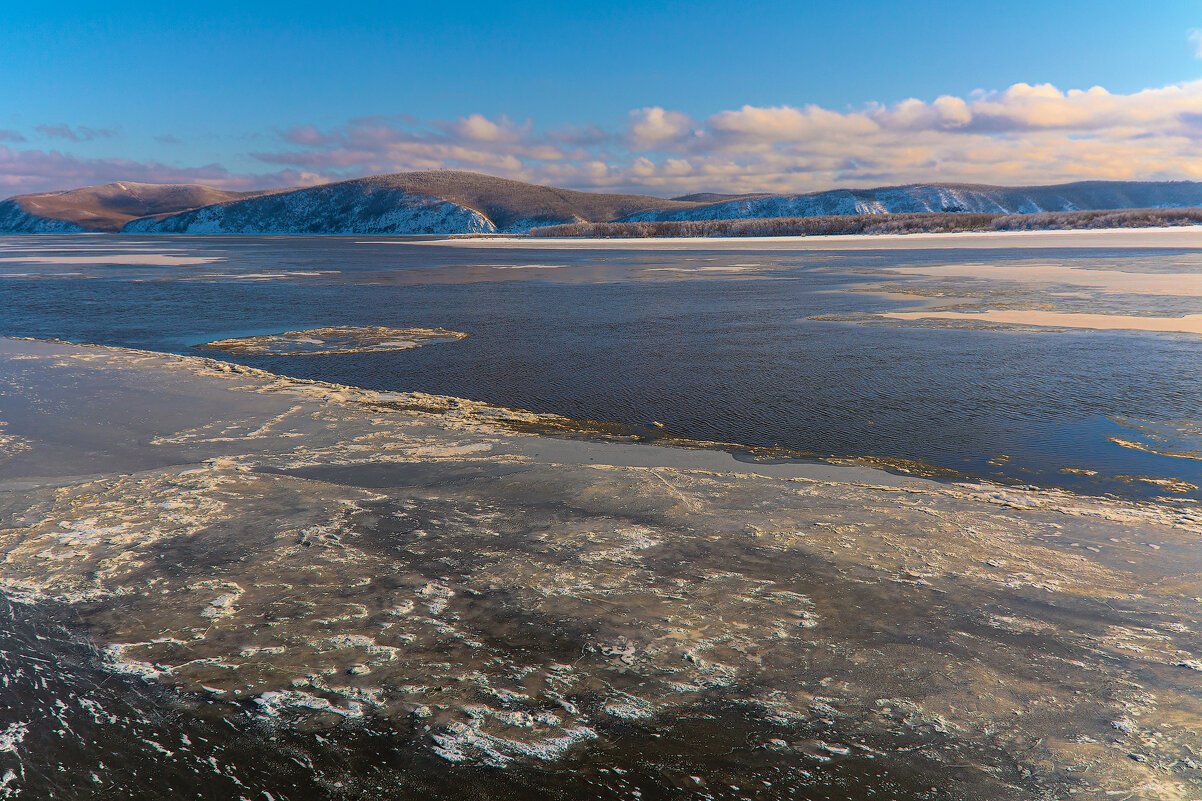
[(244, 94)]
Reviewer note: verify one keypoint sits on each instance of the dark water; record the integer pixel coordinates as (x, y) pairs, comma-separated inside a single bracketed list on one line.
[(634, 337)]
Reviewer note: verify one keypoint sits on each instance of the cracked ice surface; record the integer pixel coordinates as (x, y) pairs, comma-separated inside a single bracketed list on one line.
[(316, 556)]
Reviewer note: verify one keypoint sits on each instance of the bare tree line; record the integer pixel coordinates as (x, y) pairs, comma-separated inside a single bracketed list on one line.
[(932, 222)]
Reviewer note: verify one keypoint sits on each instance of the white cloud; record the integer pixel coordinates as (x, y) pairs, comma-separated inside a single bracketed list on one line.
[(651, 128)]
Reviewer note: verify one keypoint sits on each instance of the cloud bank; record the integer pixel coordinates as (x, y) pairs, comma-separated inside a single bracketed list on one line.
[(1022, 135)]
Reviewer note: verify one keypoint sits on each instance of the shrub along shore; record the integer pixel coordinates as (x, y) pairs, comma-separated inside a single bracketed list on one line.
[(918, 223)]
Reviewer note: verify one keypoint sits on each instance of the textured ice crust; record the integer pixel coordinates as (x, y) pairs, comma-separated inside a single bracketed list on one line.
[(334, 340), (325, 554)]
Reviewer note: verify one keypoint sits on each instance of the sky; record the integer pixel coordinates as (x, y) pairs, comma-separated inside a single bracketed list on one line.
[(665, 98)]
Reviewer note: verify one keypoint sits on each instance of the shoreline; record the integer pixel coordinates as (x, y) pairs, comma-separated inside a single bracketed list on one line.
[(575, 433), (774, 462), (1009, 238), (1014, 238)]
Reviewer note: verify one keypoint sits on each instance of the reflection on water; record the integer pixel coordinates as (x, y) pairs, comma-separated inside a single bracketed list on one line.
[(714, 345)]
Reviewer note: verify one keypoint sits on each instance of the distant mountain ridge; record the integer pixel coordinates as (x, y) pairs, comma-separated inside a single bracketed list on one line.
[(459, 202)]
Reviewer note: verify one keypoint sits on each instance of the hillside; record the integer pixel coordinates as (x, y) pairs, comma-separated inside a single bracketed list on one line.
[(438, 202), (104, 208), (925, 198)]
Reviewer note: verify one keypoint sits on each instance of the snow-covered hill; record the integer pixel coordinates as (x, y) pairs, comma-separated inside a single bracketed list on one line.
[(330, 209), (1084, 196)]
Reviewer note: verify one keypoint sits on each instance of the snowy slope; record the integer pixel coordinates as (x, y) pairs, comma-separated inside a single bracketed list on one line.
[(1090, 195), (329, 209), (15, 219)]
